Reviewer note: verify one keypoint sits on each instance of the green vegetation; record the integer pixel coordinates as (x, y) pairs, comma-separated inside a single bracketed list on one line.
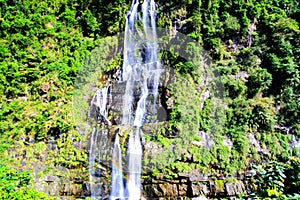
[(253, 46), (17, 185), (47, 65), (277, 180)]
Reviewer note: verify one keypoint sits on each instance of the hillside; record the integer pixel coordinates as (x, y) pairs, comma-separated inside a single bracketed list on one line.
[(54, 52)]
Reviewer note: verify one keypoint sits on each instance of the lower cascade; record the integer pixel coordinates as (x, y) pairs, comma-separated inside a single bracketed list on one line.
[(117, 191), (134, 165), (140, 74)]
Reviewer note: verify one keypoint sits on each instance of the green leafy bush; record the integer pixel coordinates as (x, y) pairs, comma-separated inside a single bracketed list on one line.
[(277, 180), (17, 185)]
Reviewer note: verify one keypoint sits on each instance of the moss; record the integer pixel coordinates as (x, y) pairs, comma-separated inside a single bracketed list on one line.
[(231, 180), (220, 184)]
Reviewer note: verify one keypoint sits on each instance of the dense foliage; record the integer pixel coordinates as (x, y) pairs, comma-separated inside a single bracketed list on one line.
[(254, 45), (17, 185), (277, 180)]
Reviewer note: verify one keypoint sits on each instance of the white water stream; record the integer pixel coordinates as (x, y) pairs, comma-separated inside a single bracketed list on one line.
[(141, 71)]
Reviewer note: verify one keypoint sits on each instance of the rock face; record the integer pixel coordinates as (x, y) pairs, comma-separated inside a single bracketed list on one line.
[(235, 188), (194, 184), (199, 189), (117, 101), (55, 186), (190, 187)]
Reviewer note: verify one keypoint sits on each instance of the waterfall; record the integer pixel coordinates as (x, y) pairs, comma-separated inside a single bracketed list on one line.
[(117, 191), (98, 107), (98, 145), (92, 160), (140, 73), (98, 113), (141, 67), (134, 153)]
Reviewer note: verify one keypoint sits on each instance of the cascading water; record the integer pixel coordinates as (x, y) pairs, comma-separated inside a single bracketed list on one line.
[(134, 153), (117, 191), (98, 111), (98, 107), (140, 73), (141, 67)]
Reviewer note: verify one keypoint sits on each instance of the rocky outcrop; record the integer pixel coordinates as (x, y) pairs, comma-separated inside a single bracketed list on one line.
[(194, 187), (56, 186)]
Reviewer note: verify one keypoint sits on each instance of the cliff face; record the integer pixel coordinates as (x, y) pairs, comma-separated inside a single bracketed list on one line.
[(52, 61)]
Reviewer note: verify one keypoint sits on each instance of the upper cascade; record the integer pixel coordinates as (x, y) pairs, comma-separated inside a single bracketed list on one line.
[(141, 67)]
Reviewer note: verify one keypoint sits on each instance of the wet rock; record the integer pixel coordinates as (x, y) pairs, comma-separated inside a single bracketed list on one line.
[(170, 103), (182, 189), (206, 140), (51, 179), (71, 189), (152, 149), (250, 173), (143, 197), (168, 189), (51, 145), (63, 169), (213, 188), (197, 143), (294, 143), (76, 190), (253, 142), (235, 188), (54, 188), (117, 93), (86, 189), (194, 176), (227, 142), (205, 94), (41, 186), (243, 75), (38, 167), (79, 145), (152, 191), (95, 189), (198, 189), (65, 189)]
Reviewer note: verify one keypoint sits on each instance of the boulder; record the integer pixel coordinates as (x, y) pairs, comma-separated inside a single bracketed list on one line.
[(199, 189), (235, 188)]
